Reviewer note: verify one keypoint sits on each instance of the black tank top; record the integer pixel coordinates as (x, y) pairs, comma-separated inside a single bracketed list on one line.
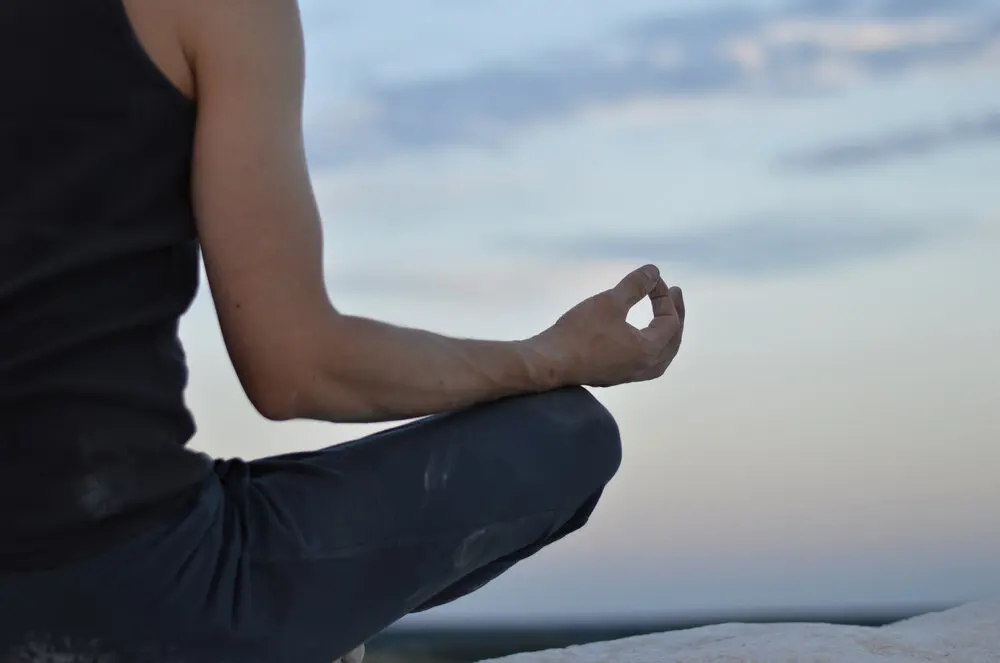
[(98, 260)]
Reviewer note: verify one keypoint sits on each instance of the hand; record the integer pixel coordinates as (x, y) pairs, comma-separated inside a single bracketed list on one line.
[(597, 347)]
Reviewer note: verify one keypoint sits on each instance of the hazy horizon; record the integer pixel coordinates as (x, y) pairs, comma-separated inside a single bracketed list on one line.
[(821, 178)]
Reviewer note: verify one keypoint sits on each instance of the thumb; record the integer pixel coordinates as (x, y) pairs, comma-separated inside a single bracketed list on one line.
[(635, 287)]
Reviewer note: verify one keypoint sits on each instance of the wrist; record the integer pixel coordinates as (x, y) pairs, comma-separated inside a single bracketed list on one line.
[(547, 363)]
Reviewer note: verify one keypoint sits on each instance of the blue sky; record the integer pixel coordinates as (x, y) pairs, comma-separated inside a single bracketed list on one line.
[(819, 175)]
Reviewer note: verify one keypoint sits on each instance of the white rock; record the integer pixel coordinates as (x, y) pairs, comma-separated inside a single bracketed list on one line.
[(968, 634)]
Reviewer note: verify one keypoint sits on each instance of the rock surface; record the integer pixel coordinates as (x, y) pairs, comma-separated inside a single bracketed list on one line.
[(968, 634)]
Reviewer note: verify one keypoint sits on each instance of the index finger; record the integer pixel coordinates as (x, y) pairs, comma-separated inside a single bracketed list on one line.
[(635, 287)]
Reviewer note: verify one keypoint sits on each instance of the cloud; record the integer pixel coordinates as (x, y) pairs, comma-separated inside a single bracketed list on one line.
[(894, 145), (889, 8), (426, 283), (914, 8), (505, 279), (756, 248), (809, 45)]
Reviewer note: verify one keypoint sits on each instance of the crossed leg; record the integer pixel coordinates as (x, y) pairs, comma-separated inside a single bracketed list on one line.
[(347, 540)]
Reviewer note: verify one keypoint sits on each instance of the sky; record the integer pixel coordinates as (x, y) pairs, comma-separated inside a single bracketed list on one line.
[(820, 176)]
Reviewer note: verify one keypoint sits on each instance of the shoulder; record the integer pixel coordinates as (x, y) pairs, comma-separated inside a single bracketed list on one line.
[(249, 32)]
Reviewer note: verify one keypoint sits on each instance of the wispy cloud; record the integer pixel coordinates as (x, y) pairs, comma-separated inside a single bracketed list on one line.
[(895, 145), (809, 45), (754, 248)]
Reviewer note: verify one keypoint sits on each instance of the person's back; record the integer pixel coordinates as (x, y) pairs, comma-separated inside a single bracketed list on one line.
[(98, 259), (131, 136)]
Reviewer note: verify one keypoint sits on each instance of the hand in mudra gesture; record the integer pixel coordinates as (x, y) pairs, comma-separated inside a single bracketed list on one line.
[(602, 349)]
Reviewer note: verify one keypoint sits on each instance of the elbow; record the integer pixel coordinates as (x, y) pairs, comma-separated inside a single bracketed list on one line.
[(277, 393), (274, 412), (289, 398), (293, 380), (279, 375), (275, 404)]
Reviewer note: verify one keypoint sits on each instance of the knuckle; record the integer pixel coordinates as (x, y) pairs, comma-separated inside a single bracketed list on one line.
[(605, 299)]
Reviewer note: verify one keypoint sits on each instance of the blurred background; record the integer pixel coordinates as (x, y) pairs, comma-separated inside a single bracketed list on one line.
[(821, 176)]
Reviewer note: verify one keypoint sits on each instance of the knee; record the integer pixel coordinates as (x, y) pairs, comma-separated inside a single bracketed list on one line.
[(602, 439), (590, 431)]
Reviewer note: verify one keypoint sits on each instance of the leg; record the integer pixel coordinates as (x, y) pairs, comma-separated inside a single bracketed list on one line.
[(345, 541)]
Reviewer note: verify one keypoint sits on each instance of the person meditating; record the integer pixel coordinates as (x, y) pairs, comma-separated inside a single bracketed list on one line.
[(135, 136)]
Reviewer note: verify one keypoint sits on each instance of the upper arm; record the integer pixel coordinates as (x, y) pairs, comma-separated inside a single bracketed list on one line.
[(256, 213)]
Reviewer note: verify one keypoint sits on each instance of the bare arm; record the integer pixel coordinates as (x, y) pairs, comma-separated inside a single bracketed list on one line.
[(259, 225), (295, 354)]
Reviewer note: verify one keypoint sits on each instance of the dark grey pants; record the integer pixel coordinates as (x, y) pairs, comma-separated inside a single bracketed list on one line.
[(302, 557)]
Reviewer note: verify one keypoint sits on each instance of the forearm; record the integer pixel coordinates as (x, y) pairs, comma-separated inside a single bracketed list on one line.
[(372, 371)]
